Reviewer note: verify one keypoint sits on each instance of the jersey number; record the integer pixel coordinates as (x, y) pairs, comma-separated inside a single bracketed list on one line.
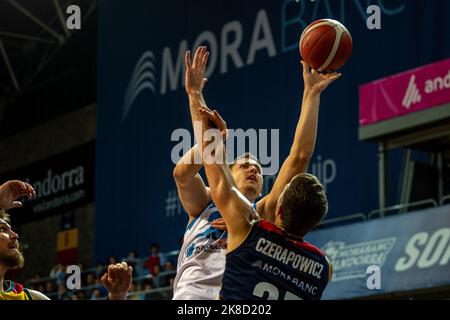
[(272, 291)]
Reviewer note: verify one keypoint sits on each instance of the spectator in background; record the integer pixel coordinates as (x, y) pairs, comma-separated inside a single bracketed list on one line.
[(89, 283), (90, 280), (169, 266), (100, 269), (133, 295), (112, 260), (62, 291), (132, 259), (75, 296), (82, 295), (55, 270), (96, 295), (156, 277), (65, 297), (50, 287), (58, 272), (61, 276), (168, 277), (148, 287), (41, 287), (155, 259), (101, 287)]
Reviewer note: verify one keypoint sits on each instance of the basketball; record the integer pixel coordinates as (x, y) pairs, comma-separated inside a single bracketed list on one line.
[(325, 45)]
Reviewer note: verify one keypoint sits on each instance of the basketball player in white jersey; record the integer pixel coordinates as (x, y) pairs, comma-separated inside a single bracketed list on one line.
[(201, 261)]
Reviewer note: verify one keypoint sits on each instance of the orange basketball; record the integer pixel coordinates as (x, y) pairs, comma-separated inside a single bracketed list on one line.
[(325, 45)]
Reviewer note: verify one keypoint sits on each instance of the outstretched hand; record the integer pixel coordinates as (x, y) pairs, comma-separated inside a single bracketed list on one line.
[(212, 120), (219, 224), (215, 120), (12, 190), (117, 280), (315, 81), (195, 71)]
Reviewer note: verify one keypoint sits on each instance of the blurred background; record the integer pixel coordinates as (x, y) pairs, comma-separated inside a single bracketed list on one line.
[(87, 116)]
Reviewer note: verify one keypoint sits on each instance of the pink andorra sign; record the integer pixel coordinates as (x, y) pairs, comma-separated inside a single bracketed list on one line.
[(410, 91)]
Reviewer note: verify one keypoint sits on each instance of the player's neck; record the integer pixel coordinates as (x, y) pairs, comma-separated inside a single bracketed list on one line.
[(250, 195)]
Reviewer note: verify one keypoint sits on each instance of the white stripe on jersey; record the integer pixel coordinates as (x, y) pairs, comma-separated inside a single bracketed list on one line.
[(201, 261)]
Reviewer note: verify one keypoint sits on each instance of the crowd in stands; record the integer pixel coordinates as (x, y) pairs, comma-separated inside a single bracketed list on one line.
[(153, 278)]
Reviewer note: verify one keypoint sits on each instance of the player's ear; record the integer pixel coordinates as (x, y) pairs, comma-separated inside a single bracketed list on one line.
[(279, 212)]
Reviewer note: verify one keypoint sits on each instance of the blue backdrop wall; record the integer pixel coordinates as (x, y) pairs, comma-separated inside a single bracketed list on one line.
[(141, 98)]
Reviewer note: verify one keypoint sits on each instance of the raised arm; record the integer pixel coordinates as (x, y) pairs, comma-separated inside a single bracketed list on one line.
[(195, 82), (12, 190), (117, 280), (232, 204), (304, 142), (192, 191)]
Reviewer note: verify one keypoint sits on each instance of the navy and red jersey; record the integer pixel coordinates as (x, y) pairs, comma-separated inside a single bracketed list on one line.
[(273, 265)]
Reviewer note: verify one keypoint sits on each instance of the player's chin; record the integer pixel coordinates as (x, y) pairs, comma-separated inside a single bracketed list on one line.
[(13, 259), (252, 186)]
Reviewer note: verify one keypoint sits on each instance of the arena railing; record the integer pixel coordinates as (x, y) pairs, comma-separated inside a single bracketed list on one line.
[(164, 292), (94, 269), (47, 279), (445, 199), (359, 217), (136, 279), (382, 212)]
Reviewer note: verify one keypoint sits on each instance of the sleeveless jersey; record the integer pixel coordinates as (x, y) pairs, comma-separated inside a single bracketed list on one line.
[(14, 291), (201, 261), (272, 265)]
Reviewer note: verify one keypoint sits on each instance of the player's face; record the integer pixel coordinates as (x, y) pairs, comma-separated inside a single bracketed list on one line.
[(10, 255), (247, 174)]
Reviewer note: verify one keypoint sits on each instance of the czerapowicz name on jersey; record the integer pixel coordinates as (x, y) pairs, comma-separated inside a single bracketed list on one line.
[(297, 261)]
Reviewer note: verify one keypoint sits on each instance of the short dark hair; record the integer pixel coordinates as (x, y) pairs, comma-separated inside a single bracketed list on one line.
[(304, 204), (154, 245), (246, 155), (4, 216)]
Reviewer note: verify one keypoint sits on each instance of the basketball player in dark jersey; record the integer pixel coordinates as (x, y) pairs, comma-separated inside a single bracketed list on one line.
[(117, 279), (266, 260)]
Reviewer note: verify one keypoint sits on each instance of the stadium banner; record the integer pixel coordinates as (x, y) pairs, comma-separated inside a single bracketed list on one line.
[(255, 81), (67, 246), (410, 91), (62, 182), (398, 253)]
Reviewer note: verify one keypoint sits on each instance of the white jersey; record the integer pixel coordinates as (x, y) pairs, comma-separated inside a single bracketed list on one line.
[(201, 261)]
